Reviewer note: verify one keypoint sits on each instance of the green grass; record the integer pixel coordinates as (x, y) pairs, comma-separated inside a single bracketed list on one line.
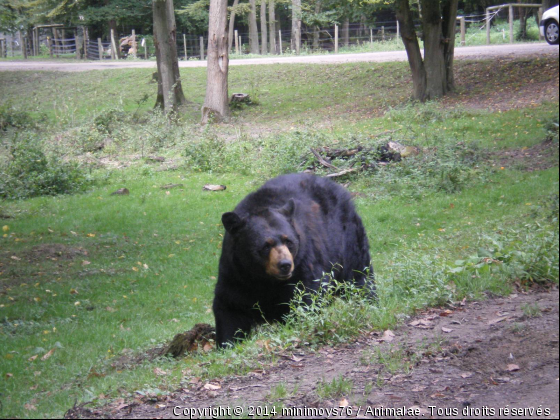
[(338, 387), (531, 310), (393, 360), (445, 225)]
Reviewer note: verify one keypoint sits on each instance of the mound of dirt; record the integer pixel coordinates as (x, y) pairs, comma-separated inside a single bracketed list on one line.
[(201, 336)]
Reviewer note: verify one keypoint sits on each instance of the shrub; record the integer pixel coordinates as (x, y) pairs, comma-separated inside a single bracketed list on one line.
[(28, 172), (12, 117)]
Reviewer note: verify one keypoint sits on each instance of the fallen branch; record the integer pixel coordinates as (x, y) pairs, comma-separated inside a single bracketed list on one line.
[(323, 161), (344, 172)]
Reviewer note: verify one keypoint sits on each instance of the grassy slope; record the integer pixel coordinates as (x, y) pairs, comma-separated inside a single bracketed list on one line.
[(153, 255)]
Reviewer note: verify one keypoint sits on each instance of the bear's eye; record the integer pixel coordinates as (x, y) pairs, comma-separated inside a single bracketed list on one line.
[(266, 247)]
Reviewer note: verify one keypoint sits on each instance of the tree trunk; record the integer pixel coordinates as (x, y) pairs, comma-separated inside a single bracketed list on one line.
[(216, 106), (433, 49), (272, 26), (316, 29), (362, 28), (433, 76), (346, 32), (278, 30), (170, 91), (253, 30), (522, 36), (449, 9), (264, 31), (296, 25), (232, 25), (410, 41)]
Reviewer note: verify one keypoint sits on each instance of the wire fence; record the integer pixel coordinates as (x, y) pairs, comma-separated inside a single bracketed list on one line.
[(191, 46)]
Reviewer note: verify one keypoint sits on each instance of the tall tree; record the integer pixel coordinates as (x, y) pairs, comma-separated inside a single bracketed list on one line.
[(317, 28), (296, 25), (231, 24), (170, 91), (346, 31), (216, 106), (253, 29), (272, 26), (432, 77), (264, 32)]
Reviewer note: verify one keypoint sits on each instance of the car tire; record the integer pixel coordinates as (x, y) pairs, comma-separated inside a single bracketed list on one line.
[(551, 32)]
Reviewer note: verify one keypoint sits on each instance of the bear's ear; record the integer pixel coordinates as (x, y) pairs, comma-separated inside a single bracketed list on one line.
[(232, 222), (288, 208)]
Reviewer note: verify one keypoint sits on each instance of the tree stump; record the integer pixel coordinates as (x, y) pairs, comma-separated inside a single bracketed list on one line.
[(242, 98)]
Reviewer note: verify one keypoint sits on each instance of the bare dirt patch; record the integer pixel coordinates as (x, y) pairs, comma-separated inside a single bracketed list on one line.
[(20, 266), (536, 158), (53, 252), (465, 361), (505, 83)]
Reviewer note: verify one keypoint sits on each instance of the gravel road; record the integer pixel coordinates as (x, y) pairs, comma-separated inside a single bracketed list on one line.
[(465, 53)]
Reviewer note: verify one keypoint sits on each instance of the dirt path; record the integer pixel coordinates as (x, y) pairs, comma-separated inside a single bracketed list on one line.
[(473, 360), (471, 53)]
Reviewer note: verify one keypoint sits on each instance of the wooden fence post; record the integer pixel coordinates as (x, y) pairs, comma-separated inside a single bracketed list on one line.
[(77, 44), (383, 33), (145, 48), (487, 27), (134, 46), (185, 45), (371, 36), (86, 40), (55, 42), (511, 24), (540, 13), (23, 46), (63, 40), (398, 30), (280, 42), (114, 54), (463, 31), (100, 47), (202, 48), (236, 38), (37, 42), (336, 39)]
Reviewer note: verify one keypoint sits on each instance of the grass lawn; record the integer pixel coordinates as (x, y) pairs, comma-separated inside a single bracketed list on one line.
[(91, 281)]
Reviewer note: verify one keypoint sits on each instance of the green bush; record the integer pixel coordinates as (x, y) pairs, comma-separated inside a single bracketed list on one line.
[(28, 172), (12, 117)]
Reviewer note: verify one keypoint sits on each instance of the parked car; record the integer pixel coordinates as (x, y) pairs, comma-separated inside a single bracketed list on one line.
[(549, 26)]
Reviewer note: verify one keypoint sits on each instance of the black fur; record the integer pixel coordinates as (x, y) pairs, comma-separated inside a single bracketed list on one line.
[(316, 219)]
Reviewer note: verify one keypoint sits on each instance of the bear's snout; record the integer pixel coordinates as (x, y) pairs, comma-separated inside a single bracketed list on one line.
[(280, 263), (285, 267)]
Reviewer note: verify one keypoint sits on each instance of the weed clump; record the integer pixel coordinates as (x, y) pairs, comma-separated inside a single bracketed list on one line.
[(29, 172), (11, 117)]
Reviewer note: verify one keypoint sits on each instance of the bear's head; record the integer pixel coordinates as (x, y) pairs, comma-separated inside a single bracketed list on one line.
[(266, 242)]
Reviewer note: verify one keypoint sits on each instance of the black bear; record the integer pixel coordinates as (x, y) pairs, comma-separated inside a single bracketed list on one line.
[(288, 233)]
